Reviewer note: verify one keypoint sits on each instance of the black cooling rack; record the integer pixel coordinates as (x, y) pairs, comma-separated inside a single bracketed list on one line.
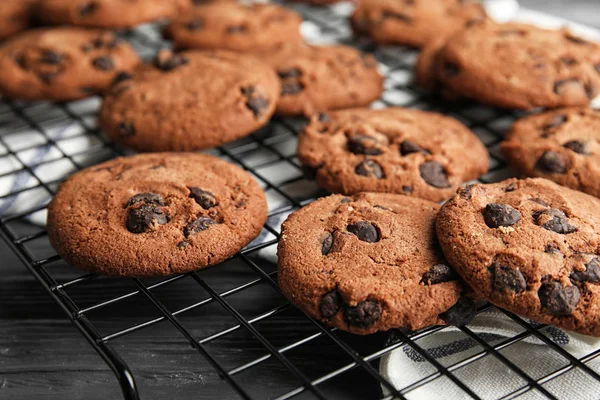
[(41, 143)]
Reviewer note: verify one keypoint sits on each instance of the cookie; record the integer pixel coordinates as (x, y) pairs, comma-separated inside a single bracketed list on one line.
[(155, 214), (15, 16), (105, 13), (235, 26), (62, 64), (369, 263), (320, 78), (413, 22), (190, 101), (529, 246), (394, 150), (559, 145), (517, 66)]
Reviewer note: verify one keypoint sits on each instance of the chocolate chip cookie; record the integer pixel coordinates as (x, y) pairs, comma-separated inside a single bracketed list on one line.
[(190, 101), (559, 145), (516, 66), (61, 64), (413, 22), (15, 16), (394, 150), (105, 13), (155, 214), (235, 26), (529, 246), (320, 78), (369, 263)]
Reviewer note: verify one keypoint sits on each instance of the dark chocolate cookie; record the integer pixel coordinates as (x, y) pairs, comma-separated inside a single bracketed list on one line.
[(559, 145), (529, 246), (368, 263), (189, 101), (155, 214), (393, 150), (62, 64)]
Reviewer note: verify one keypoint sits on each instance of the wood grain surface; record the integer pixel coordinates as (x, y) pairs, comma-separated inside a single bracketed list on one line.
[(42, 356)]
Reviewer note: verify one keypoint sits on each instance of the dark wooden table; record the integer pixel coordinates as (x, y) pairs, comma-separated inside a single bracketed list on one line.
[(42, 356)]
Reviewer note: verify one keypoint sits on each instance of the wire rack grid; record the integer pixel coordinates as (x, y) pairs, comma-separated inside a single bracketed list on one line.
[(42, 143)]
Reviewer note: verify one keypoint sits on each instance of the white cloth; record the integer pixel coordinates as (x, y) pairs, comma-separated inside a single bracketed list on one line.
[(488, 377)]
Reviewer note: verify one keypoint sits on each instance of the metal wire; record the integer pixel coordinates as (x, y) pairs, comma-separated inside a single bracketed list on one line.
[(269, 155)]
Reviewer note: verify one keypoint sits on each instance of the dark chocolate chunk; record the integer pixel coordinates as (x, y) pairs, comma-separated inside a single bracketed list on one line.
[(409, 147), (121, 77), (147, 198), (327, 244), (553, 220), (200, 224), (330, 304), (552, 248), (591, 273), (364, 144), (507, 279), (465, 192), (103, 63), (364, 314), (497, 215), (289, 73), (291, 88), (50, 57), (558, 300), (255, 101), (434, 174), (364, 231), (437, 274), (203, 197), (407, 189), (369, 169), (552, 162), (144, 218), (577, 146)]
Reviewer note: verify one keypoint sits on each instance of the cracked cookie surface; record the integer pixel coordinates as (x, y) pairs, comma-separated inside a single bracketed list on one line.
[(155, 214), (561, 145), (320, 78), (190, 101), (413, 22), (529, 246), (368, 263), (394, 150), (514, 66), (235, 26), (63, 64)]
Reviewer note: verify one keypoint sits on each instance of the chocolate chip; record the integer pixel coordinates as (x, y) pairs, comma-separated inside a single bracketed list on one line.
[(364, 144), (88, 8), (551, 162), (289, 73), (147, 198), (558, 300), (396, 16), (407, 189), (291, 88), (461, 313), (434, 174), (507, 279), (144, 218), (200, 224), (364, 231), (203, 197), (552, 248), (255, 101), (555, 122), (327, 244), (591, 273), (121, 77), (182, 244), (511, 187), (324, 117), (345, 200), (237, 29), (465, 192), (450, 69), (364, 314), (409, 147), (577, 146), (369, 169), (126, 129), (330, 304), (194, 25), (497, 215), (168, 61), (437, 274), (553, 220), (50, 57), (103, 63)]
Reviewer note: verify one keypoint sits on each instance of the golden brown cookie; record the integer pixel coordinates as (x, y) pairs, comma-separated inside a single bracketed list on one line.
[(15, 16), (155, 214), (190, 101), (64, 63), (369, 263), (394, 150)]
